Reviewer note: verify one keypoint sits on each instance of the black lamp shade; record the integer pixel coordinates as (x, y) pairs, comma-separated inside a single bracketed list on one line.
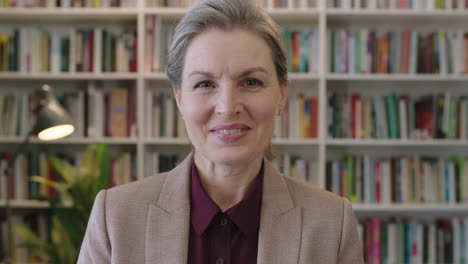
[(52, 121)]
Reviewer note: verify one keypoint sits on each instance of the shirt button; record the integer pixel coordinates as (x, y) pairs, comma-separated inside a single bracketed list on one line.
[(223, 221), (220, 260)]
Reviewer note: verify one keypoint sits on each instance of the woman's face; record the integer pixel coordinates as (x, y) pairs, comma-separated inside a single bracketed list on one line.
[(230, 96)]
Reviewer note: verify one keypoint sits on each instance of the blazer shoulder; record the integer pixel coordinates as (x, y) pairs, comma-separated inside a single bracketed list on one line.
[(328, 218), (308, 196), (142, 191)]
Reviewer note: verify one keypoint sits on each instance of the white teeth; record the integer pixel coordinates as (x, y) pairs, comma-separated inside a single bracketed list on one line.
[(230, 131)]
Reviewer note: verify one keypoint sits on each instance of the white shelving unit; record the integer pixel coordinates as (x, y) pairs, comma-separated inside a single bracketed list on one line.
[(73, 140), (319, 148), (69, 76), (397, 142), (25, 204), (68, 13), (412, 210), (396, 77)]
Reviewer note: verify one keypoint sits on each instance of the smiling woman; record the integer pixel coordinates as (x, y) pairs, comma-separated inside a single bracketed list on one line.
[(229, 98), (225, 203)]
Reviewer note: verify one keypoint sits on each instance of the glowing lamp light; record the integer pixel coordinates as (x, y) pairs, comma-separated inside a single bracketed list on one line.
[(52, 121), (56, 132)]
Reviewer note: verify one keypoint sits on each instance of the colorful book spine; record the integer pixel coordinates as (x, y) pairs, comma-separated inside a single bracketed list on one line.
[(440, 116), (392, 51), (408, 179), (417, 5), (66, 3), (78, 51), (299, 119), (414, 241), (301, 50)]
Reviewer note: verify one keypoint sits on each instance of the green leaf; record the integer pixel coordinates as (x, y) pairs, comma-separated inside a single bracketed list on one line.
[(67, 253), (34, 243), (80, 187), (65, 170), (72, 224), (90, 168), (61, 188), (104, 163)]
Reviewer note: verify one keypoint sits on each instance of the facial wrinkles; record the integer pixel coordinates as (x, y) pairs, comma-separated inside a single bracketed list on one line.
[(228, 97), (225, 65)]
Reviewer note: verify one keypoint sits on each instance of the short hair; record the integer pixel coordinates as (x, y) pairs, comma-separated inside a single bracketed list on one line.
[(225, 15)]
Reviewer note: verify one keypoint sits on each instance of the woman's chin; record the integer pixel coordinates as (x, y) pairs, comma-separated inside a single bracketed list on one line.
[(232, 156)]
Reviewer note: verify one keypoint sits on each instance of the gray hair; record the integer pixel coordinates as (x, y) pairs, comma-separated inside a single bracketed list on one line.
[(225, 15)]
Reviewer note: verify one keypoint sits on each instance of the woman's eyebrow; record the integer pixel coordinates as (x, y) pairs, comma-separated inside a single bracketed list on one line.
[(204, 73), (252, 70), (241, 74)]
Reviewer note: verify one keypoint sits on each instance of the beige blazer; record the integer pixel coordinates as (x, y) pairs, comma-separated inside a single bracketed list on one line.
[(148, 222)]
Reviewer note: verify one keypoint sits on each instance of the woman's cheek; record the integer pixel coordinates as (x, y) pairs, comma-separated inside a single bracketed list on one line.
[(196, 111), (264, 109)]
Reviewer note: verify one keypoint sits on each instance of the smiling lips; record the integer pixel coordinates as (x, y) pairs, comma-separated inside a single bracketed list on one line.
[(230, 133)]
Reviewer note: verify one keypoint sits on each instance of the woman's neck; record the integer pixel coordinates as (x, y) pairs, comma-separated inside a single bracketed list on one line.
[(227, 185)]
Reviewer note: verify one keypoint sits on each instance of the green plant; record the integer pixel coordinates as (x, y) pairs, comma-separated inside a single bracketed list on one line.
[(77, 189)]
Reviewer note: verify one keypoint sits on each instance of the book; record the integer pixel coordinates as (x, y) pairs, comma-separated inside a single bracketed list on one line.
[(119, 112)]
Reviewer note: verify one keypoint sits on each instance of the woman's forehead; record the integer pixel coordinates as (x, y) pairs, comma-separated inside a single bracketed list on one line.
[(236, 49)]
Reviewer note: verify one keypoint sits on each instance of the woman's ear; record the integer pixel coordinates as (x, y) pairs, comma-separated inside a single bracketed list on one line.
[(284, 97)]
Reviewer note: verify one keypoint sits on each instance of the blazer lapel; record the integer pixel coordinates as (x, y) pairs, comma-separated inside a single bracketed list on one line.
[(168, 222), (280, 221)]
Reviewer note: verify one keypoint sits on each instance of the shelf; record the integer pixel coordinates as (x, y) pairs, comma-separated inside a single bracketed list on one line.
[(358, 208), (377, 13), (73, 141), (294, 14), (166, 12), (397, 77), (411, 209), (292, 76), (167, 141), (295, 142), (397, 142), (277, 13), (296, 77), (74, 13), (67, 76), (155, 76), (398, 15), (25, 204)]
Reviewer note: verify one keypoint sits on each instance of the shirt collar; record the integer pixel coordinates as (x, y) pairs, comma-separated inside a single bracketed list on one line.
[(245, 214)]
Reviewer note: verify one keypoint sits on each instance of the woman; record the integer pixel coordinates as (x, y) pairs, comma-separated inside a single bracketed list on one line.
[(224, 203)]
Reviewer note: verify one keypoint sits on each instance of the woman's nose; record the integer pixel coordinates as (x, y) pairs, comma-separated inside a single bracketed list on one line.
[(228, 101)]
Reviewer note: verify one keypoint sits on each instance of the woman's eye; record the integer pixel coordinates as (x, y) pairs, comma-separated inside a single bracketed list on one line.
[(252, 82), (203, 85)]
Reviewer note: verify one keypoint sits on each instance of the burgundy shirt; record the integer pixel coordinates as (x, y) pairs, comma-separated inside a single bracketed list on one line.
[(224, 238)]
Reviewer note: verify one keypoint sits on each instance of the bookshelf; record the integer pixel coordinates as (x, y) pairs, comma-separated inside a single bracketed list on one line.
[(26, 204), (124, 13), (321, 18), (410, 210), (69, 76)]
